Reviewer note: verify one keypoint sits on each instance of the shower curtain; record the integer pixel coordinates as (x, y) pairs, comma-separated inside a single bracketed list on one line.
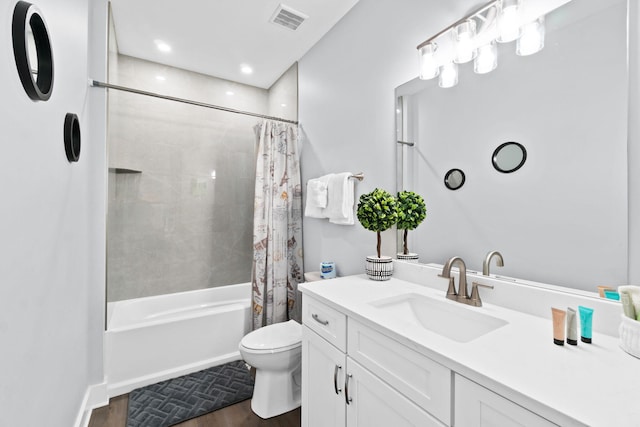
[(277, 226)]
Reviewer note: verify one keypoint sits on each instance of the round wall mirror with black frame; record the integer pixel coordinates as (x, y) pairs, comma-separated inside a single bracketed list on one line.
[(454, 179), (72, 137), (509, 157), (35, 68)]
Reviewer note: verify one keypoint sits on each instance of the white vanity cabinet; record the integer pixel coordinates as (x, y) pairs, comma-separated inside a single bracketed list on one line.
[(477, 406), (341, 387)]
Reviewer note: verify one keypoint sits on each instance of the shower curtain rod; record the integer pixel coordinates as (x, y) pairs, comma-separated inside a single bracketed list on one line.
[(96, 83)]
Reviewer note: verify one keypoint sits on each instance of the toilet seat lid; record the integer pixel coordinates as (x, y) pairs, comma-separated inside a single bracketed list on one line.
[(278, 335)]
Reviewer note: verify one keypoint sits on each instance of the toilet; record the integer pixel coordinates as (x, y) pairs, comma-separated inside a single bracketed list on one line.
[(275, 352)]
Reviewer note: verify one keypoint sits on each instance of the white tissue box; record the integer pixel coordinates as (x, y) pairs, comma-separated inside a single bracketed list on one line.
[(630, 335)]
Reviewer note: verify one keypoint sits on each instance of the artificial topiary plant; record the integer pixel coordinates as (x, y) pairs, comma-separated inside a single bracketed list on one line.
[(411, 212), (377, 212)]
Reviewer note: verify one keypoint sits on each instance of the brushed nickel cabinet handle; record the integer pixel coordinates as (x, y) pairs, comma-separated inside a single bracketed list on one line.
[(317, 319), (346, 389), (335, 379)]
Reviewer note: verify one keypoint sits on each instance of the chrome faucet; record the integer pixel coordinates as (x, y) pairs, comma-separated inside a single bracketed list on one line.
[(462, 294), (462, 281), (487, 261)]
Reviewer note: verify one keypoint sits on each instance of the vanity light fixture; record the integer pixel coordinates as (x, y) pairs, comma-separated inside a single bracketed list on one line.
[(487, 58), (448, 75), (428, 65), (463, 35), (474, 37), (508, 20), (532, 39)]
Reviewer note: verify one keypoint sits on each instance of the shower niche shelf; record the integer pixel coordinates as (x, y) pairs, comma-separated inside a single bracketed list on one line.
[(123, 170)]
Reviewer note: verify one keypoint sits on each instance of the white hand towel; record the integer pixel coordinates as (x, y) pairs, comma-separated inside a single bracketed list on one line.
[(317, 195), (340, 200)]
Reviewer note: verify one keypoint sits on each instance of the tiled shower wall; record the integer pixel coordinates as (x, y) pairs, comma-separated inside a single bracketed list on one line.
[(181, 181)]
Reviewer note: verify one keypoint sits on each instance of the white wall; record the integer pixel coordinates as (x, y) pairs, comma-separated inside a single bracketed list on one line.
[(52, 228), (283, 95), (346, 108)]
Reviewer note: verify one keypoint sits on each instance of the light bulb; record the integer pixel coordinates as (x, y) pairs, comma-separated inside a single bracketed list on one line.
[(509, 21), (532, 39), (428, 64), (487, 59), (463, 36), (162, 46), (448, 75)]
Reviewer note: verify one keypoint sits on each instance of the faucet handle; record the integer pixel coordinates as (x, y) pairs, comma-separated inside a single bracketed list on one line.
[(475, 295)]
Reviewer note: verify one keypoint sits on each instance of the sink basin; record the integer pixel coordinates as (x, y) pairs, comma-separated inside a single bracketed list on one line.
[(447, 318)]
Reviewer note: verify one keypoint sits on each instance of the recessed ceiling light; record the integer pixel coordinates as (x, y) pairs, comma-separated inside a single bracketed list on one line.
[(283, 105), (246, 69), (162, 46), (161, 78), (229, 93)]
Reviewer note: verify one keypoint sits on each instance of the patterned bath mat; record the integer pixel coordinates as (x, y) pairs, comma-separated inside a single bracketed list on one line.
[(179, 399)]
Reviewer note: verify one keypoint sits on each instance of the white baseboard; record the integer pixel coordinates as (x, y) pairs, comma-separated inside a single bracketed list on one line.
[(95, 397), (122, 387)]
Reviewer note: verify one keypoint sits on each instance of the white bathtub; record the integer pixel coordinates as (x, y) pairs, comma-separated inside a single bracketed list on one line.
[(155, 338)]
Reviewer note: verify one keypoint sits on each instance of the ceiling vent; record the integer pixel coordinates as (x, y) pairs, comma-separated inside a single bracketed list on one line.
[(287, 17)]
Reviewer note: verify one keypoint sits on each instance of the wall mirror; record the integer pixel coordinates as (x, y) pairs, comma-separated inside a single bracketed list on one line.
[(570, 112), (32, 51), (454, 179), (509, 157)]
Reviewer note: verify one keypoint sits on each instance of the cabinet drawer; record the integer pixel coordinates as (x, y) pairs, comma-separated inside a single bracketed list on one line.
[(425, 382), (326, 321), (476, 406)]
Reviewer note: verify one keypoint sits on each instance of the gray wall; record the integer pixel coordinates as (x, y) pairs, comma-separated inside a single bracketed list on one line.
[(347, 106), (172, 227), (52, 225)]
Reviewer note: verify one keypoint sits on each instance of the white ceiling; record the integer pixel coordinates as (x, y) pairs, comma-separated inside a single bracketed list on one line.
[(217, 37)]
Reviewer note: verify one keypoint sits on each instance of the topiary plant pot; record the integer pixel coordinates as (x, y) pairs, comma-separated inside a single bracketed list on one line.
[(379, 268), (410, 257)]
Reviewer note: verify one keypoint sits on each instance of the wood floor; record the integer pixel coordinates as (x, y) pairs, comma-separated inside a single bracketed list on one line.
[(238, 415)]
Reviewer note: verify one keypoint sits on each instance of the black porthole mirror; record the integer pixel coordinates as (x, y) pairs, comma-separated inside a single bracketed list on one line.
[(509, 157), (32, 51), (454, 179), (72, 137)]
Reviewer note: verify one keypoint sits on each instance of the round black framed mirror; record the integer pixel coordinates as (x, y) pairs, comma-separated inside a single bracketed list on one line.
[(509, 157), (454, 179), (72, 137), (35, 68)]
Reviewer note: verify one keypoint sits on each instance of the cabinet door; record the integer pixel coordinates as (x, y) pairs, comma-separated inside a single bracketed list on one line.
[(476, 406), (323, 367), (373, 403)]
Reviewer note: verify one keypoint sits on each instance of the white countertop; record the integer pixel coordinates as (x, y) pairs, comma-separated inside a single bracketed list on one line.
[(589, 384)]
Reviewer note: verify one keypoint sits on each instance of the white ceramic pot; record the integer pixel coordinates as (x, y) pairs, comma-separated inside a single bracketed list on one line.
[(410, 257), (379, 268), (630, 335)]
